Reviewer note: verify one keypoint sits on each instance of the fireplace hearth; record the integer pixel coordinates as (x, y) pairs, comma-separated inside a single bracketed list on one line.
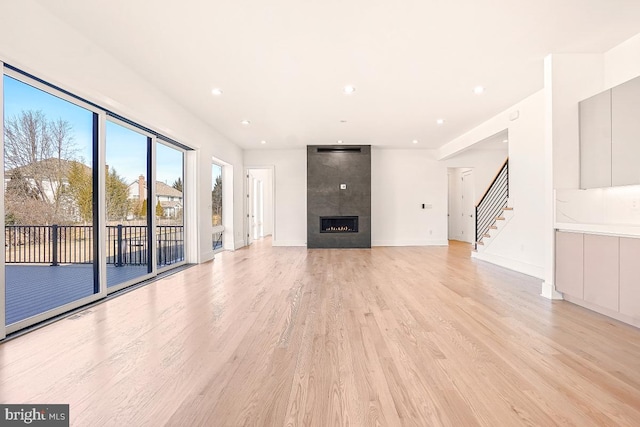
[(338, 224)]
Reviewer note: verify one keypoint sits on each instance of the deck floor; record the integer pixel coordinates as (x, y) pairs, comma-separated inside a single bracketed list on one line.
[(34, 289)]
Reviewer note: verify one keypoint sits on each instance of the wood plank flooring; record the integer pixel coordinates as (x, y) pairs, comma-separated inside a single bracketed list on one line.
[(420, 336)]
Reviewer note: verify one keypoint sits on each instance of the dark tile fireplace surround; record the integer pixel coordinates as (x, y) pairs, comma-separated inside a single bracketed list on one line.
[(338, 196)]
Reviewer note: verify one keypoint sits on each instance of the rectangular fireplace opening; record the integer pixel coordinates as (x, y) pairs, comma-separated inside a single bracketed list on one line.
[(338, 224)]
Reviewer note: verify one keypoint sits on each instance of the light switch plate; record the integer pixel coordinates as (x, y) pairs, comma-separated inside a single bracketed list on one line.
[(343, 186)]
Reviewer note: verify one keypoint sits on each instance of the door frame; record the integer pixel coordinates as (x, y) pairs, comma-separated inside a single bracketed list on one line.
[(469, 203), (248, 200)]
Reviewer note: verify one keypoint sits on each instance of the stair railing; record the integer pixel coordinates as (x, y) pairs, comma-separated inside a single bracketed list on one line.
[(492, 202)]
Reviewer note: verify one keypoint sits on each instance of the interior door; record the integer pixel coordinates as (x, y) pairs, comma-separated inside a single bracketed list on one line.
[(249, 208), (254, 208), (468, 207), (451, 218)]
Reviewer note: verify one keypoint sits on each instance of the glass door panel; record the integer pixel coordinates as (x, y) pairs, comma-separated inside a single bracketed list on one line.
[(216, 207), (169, 206), (127, 207), (50, 198)]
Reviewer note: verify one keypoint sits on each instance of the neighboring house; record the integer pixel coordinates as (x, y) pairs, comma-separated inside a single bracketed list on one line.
[(170, 199), (43, 176), (40, 183)]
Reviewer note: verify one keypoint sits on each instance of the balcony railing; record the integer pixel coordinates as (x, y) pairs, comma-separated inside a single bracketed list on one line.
[(73, 244)]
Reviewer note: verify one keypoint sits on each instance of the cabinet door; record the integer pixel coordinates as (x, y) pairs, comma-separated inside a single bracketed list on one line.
[(630, 277), (569, 263), (601, 283), (625, 133), (595, 141)]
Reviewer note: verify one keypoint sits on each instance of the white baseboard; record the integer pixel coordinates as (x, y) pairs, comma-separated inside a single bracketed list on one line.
[(238, 244), (432, 242), (288, 243), (549, 291), (634, 321), (519, 266)]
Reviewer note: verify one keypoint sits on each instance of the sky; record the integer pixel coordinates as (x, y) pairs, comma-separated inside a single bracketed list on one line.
[(125, 148)]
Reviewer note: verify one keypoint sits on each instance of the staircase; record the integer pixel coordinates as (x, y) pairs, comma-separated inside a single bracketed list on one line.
[(493, 211)]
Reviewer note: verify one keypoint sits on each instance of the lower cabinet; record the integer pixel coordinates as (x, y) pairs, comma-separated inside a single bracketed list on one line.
[(570, 263), (601, 270), (601, 282), (630, 277)]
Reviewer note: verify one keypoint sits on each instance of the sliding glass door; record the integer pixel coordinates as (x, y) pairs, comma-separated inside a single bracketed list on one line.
[(50, 199), (92, 202), (128, 205), (168, 206)]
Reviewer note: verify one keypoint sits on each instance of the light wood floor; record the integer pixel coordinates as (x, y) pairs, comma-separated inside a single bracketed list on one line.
[(288, 336)]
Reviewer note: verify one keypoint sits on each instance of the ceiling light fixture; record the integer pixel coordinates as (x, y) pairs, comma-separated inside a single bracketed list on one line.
[(245, 122), (348, 90), (339, 141), (263, 142), (440, 121), (505, 140), (478, 90), (415, 141), (216, 91)]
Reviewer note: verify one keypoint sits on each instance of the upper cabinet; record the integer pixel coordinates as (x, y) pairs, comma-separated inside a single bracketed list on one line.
[(625, 133), (610, 137), (595, 141)]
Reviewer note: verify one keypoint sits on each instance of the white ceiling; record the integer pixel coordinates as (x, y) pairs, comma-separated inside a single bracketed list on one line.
[(283, 64)]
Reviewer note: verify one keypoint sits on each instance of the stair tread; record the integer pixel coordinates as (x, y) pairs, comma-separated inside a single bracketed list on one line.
[(507, 208), (493, 227), (500, 218)]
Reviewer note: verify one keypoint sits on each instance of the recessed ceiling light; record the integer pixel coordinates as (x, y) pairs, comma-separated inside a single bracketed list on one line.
[(339, 141), (245, 122), (263, 142), (440, 121), (216, 91), (478, 90), (348, 89), (415, 141), (505, 140)]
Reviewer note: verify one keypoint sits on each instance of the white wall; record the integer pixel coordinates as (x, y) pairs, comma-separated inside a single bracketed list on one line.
[(569, 78), (37, 42), (622, 63), (401, 181), (520, 245), (290, 193)]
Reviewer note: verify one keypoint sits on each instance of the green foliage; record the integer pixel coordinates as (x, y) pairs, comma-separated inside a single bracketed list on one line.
[(80, 189), (142, 211), (159, 210), (118, 205), (177, 184), (216, 198)]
